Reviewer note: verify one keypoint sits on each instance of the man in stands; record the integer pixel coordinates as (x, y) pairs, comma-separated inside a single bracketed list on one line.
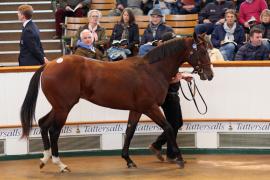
[(70, 8), (253, 50), (212, 14), (249, 13), (154, 31), (85, 46)]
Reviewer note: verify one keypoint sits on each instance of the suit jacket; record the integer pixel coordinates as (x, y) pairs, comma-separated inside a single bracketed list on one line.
[(31, 51)]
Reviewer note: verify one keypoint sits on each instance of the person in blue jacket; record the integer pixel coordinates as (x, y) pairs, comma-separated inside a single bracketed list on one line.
[(228, 37)]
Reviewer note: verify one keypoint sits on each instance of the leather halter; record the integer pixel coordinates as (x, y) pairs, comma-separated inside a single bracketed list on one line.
[(199, 67)]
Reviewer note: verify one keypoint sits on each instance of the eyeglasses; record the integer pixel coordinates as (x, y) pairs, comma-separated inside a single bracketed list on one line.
[(88, 37), (95, 16)]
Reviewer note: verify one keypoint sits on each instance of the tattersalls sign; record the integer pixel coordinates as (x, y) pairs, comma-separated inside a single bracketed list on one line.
[(146, 128)]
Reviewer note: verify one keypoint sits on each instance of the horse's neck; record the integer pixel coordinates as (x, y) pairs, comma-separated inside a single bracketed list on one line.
[(170, 66)]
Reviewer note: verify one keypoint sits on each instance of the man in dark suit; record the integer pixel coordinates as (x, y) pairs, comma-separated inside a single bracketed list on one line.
[(31, 51)]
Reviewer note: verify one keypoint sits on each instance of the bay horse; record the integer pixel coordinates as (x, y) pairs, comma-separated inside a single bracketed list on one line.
[(137, 84)]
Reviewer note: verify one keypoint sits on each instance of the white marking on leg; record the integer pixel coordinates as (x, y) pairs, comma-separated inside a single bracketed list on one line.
[(62, 166), (46, 156)]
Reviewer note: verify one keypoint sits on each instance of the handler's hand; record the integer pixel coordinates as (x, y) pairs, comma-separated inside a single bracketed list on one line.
[(46, 60), (187, 77), (179, 76)]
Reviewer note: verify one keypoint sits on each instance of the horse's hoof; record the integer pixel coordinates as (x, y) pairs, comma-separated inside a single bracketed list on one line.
[(132, 165), (66, 169), (181, 164), (156, 152), (41, 165)]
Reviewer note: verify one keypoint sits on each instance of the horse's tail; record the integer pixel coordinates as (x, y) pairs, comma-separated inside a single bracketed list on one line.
[(29, 104)]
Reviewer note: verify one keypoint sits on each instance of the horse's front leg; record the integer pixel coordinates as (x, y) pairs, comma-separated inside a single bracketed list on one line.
[(156, 115), (133, 120)]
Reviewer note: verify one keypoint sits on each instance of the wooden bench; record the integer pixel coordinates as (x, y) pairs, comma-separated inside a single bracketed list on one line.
[(103, 5), (182, 25)]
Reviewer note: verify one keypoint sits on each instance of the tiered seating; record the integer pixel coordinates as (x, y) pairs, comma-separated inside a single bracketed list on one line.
[(11, 28), (103, 5), (182, 24)]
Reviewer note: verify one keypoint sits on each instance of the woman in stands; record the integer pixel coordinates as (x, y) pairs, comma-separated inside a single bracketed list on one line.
[(265, 27), (126, 31), (228, 37), (94, 27)]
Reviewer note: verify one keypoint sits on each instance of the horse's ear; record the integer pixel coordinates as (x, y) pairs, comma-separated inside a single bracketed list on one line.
[(195, 37)]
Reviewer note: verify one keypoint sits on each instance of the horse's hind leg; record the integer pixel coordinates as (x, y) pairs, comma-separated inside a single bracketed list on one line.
[(131, 127), (156, 115), (44, 124), (54, 131)]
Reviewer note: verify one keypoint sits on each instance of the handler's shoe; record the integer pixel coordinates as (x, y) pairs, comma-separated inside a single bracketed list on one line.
[(170, 160), (173, 160), (157, 152)]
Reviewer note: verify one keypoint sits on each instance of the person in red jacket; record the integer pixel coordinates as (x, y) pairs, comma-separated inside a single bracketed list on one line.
[(249, 13)]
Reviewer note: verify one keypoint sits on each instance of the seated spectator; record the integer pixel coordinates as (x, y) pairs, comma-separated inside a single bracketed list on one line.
[(212, 14), (185, 6), (159, 4), (85, 46), (97, 31), (253, 50), (70, 8), (134, 5), (154, 31), (249, 13), (228, 37), (265, 27), (126, 29)]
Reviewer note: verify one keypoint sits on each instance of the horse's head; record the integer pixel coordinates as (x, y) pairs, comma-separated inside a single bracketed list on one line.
[(199, 58)]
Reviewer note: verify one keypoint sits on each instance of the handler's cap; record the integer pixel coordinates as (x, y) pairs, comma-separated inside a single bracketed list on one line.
[(156, 12)]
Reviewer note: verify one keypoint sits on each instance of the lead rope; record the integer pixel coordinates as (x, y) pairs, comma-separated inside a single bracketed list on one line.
[(195, 88)]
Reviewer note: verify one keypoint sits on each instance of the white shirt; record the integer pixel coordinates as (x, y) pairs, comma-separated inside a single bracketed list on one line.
[(25, 22)]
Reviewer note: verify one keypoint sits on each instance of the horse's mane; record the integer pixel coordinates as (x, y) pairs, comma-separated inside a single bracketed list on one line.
[(168, 48)]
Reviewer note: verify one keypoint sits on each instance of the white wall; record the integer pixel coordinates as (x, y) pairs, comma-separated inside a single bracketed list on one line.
[(234, 93)]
